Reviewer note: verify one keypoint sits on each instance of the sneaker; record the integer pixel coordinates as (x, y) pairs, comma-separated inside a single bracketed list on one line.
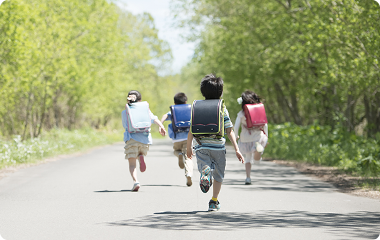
[(213, 206), (189, 182), (142, 163), (180, 161), (136, 187), (206, 181), (247, 181), (259, 147)]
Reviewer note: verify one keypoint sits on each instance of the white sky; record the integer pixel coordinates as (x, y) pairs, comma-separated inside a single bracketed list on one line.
[(160, 11)]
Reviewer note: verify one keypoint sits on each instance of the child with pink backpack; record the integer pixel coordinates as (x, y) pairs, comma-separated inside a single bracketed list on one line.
[(137, 119), (254, 130)]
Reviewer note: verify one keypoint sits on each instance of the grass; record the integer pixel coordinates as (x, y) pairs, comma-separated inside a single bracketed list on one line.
[(53, 143), (324, 146)]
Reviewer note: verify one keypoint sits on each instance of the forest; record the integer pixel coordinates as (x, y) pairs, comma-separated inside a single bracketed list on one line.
[(311, 60), (69, 65)]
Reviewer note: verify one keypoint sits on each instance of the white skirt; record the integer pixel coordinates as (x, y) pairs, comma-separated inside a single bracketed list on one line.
[(250, 147)]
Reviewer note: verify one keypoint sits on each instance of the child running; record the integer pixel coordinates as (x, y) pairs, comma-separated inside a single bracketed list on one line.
[(251, 141), (137, 144), (211, 152), (180, 140)]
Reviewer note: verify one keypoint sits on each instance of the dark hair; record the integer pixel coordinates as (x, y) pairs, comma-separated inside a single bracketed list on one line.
[(180, 98), (212, 87), (250, 97), (137, 94)]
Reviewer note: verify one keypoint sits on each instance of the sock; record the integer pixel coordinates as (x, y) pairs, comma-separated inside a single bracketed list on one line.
[(214, 199)]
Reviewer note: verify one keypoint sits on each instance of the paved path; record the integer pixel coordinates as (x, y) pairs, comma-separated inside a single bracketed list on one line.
[(89, 197)]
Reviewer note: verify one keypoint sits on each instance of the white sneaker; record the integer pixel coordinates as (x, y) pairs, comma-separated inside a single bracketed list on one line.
[(247, 181), (259, 147), (136, 187)]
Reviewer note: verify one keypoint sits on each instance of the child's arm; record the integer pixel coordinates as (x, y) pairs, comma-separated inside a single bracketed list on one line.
[(231, 136), (189, 151), (161, 128), (237, 125), (164, 117)]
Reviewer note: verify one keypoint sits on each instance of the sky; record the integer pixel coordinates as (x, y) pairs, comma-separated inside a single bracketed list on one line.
[(160, 11)]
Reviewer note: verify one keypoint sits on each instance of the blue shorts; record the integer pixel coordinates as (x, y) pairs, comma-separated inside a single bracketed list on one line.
[(215, 159)]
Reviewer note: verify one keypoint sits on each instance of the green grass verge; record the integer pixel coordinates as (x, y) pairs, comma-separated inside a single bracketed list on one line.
[(53, 143), (321, 145)]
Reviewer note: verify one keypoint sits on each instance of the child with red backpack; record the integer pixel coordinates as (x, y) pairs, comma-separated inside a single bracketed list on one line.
[(178, 130), (254, 133), (137, 119)]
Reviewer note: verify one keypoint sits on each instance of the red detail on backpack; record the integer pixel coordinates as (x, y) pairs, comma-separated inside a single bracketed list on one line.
[(255, 115)]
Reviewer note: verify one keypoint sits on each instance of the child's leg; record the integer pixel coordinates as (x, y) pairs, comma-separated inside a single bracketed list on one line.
[(132, 169), (216, 189), (188, 162), (257, 156), (248, 165), (263, 142), (177, 146)]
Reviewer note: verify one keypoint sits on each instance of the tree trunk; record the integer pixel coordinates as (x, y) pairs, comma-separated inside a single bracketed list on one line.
[(27, 115), (282, 102)]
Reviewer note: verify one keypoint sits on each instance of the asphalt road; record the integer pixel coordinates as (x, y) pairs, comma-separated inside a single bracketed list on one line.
[(88, 197)]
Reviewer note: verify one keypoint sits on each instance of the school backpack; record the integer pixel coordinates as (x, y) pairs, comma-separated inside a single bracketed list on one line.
[(181, 115), (138, 117), (255, 115), (207, 118)]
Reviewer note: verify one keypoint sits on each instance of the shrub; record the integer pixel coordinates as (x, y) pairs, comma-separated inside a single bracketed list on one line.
[(324, 146)]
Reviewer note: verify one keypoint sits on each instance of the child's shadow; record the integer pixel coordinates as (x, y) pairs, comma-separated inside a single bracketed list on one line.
[(109, 191), (148, 185)]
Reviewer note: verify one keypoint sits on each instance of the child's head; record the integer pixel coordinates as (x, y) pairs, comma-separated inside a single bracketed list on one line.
[(180, 98), (134, 96), (212, 87), (250, 97)]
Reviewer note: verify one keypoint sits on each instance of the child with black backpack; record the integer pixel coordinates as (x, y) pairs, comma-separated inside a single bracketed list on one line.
[(137, 119), (178, 130), (254, 130), (209, 120)]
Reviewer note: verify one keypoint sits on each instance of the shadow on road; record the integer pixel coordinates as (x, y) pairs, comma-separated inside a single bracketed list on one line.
[(109, 191), (270, 176), (362, 224), (145, 185)]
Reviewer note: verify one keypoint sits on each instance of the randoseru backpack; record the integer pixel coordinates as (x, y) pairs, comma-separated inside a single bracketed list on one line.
[(138, 117), (181, 115), (207, 118), (255, 115)]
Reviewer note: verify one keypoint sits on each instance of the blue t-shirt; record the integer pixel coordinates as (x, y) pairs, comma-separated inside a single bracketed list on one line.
[(179, 136), (145, 138)]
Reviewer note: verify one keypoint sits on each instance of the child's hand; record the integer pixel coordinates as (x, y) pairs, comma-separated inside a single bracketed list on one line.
[(162, 131), (189, 153), (240, 156)]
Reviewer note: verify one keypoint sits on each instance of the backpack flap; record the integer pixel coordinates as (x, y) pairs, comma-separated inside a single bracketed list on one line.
[(181, 115), (207, 117), (255, 115), (138, 117)]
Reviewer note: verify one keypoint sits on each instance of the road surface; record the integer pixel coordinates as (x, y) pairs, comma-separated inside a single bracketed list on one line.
[(88, 197)]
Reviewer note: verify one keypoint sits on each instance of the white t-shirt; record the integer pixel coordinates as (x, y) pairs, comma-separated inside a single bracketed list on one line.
[(253, 135)]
